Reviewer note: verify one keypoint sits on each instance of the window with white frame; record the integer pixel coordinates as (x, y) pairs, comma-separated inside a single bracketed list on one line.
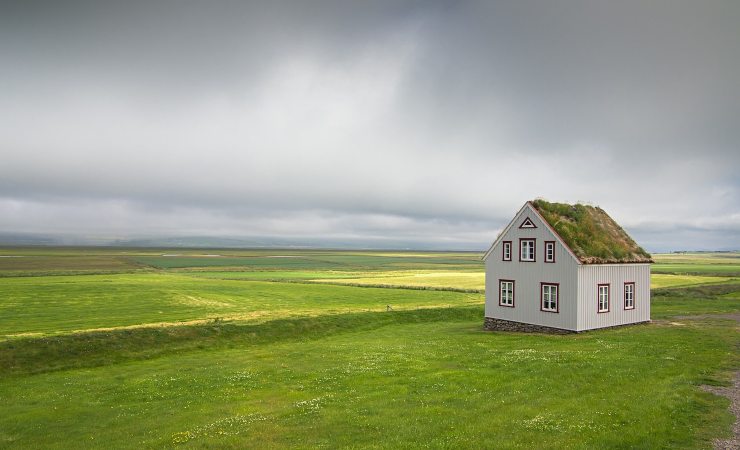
[(506, 293), (507, 251), (603, 298), (549, 297), (629, 295), (549, 251), (526, 249)]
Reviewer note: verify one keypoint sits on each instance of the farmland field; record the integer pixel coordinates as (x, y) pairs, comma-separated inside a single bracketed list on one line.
[(158, 348)]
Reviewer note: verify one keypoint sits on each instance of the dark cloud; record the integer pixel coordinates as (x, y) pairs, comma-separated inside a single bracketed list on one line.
[(420, 121)]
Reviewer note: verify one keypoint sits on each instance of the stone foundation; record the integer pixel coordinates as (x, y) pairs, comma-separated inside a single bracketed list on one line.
[(492, 324)]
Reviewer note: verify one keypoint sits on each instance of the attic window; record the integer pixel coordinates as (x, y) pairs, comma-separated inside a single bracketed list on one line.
[(549, 251), (507, 251), (526, 250), (527, 223)]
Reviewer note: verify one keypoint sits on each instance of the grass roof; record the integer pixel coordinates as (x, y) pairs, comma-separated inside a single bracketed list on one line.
[(593, 236)]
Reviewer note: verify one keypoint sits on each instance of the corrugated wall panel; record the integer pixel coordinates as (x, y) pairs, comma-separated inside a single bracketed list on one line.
[(616, 275), (529, 275)]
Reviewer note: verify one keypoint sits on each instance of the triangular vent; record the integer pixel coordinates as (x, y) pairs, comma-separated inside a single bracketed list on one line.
[(527, 223)]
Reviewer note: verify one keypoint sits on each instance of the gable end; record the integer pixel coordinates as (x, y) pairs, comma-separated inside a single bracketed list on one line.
[(517, 218)]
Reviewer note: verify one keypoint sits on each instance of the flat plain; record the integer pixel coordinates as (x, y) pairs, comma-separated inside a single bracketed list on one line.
[(159, 348)]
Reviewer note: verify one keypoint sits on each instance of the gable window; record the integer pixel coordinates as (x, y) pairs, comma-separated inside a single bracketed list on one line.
[(549, 297), (629, 295), (526, 250), (549, 251), (506, 293), (507, 251), (527, 223), (603, 298)]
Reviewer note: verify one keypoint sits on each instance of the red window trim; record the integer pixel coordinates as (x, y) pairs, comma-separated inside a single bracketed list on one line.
[(542, 297), (513, 293), (534, 248), (624, 303), (503, 251), (553, 251), (530, 221), (608, 297)]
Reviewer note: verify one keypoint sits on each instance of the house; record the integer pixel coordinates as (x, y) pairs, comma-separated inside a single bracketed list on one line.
[(565, 268)]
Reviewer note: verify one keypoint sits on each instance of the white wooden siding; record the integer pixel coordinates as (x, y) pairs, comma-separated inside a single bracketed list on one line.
[(529, 275), (591, 275)]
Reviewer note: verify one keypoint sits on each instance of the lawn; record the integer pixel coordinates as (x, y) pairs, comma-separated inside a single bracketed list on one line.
[(717, 264), (272, 352), (436, 383), (62, 304)]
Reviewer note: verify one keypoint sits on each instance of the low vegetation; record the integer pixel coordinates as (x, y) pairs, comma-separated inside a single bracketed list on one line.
[(593, 236), (165, 354)]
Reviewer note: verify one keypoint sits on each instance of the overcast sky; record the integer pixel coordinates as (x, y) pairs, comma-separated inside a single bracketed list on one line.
[(425, 122)]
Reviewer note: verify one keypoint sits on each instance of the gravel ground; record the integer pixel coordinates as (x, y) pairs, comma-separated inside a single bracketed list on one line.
[(733, 316), (733, 393)]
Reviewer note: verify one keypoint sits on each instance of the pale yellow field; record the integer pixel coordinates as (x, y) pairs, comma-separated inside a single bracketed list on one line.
[(477, 280), (660, 280), (697, 258), (437, 279)]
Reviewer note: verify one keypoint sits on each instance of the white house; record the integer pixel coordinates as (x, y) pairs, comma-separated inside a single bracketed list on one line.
[(565, 268)]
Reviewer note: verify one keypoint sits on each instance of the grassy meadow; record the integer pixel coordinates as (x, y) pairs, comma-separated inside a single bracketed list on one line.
[(160, 348)]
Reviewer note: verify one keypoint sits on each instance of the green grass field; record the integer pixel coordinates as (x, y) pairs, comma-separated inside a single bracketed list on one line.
[(127, 348)]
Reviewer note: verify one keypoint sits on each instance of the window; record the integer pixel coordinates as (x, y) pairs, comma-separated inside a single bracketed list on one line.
[(507, 251), (506, 293), (549, 297), (629, 295), (527, 223), (603, 298), (526, 249), (549, 251)]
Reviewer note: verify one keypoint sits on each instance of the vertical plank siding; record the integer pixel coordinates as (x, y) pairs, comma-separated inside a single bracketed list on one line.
[(591, 275)]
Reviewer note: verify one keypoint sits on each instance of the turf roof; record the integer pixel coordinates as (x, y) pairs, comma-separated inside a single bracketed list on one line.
[(593, 236)]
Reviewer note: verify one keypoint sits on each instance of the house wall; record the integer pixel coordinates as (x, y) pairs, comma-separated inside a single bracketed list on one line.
[(591, 275), (529, 275)]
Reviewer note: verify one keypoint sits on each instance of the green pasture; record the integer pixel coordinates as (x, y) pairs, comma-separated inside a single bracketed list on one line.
[(406, 383), (161, 348), (721, 270), (714, 264), (59, 304), (314, 261), (12, 265)]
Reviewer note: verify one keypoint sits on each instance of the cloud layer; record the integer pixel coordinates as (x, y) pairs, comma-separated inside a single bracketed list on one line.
[(420, 121)]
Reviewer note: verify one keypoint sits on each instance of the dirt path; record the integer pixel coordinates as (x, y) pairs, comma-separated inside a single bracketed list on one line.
[(732, 393), (733, 316)]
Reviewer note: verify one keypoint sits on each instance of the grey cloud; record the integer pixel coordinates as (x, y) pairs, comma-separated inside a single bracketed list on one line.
[(406, 120)]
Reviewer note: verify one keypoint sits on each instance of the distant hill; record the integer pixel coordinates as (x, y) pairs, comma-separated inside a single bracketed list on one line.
[(28, 239), (21, 239), (194, 241)]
